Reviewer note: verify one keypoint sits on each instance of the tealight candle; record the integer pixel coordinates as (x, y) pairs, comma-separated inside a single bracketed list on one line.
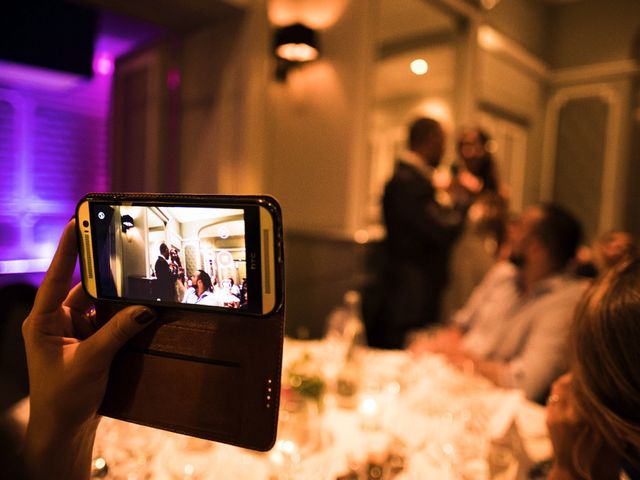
[(284, 453), (369, 413)]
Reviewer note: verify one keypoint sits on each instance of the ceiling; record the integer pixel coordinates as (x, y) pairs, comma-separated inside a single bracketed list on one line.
[(395, 81), (406, 29), (410, 29), (191, 214), (174, 15), (404, 20)]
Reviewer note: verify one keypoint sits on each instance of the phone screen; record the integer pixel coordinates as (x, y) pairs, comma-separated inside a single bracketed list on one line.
[(179, 254)]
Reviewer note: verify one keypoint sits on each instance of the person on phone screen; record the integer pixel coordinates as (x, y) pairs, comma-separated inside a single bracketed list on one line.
[(200, 292), (165, 284)]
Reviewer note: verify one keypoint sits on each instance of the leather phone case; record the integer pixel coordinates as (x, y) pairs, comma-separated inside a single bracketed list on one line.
[(210, 375)]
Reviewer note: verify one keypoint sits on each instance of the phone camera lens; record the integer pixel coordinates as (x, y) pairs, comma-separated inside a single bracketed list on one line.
[(85, 224), (101, 215)]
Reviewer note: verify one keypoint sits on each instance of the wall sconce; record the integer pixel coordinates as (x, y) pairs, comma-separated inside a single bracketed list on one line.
[(294, 45), (126, 222)]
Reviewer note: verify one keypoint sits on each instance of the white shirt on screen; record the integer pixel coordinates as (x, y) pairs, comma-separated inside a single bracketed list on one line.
[(190, 296), (208, 298)]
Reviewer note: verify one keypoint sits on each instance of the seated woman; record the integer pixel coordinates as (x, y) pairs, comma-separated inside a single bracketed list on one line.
[(593, 413)]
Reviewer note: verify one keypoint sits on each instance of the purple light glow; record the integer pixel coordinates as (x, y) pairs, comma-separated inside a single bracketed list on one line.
[(103, 63), (173, 79), (54, 148)]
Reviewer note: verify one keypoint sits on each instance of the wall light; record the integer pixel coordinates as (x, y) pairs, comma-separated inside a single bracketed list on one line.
[(127, 222), (294, 45), (103, 63), (419, 66)]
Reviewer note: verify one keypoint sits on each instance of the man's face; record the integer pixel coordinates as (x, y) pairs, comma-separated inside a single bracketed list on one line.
[(434, 148), (522, 236), (194, 281)]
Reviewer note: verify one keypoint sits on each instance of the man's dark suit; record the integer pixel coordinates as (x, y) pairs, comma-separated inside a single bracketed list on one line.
[(419, 236), (165, 284)]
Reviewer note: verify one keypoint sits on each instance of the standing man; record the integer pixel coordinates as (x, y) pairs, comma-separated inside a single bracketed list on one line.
[(420, 233), (165, 284)]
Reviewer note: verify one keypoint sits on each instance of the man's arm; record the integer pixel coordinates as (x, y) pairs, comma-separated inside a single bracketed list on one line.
[(542, 358), (413, 206)]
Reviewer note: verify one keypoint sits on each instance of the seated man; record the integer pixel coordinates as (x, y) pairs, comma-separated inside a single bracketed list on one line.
[(200, 292), (514, 327)]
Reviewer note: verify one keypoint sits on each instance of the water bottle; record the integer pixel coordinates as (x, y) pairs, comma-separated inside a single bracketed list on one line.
[(345, 337), (354, 327), (345, 322)]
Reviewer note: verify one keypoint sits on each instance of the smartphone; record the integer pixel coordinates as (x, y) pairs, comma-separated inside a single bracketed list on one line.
[(193, 251)]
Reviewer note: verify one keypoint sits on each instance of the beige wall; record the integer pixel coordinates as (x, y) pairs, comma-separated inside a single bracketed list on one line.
[(302, 141), (134, 256), (316, 128), (307, 141), (581, 63), (524, 21), (218, 69), (593, 53), (593, 31)]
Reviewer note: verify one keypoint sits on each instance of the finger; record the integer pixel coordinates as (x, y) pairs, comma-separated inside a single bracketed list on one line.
[(119, 329), (553, 399), (56, 282), (78, 300), (84, 324)]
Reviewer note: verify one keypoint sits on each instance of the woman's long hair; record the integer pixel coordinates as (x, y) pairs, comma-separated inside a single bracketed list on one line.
[(605, 351)]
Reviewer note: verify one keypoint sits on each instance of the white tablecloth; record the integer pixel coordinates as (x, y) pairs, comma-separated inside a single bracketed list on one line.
[(436, 421)]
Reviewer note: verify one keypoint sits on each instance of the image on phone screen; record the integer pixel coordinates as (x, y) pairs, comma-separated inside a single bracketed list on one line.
[(191, 255)]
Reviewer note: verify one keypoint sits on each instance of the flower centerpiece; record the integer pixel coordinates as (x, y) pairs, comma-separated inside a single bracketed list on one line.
[(303, 378)]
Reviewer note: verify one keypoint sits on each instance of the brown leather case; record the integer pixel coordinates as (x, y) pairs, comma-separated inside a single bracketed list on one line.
[(210, 375)]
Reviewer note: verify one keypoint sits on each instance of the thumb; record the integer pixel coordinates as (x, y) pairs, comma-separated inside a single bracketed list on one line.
[(120, 328)]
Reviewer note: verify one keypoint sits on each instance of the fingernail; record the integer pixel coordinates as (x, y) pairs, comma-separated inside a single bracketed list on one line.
[(145, 315)]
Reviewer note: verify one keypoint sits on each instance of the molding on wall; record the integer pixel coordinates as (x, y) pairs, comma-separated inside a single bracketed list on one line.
[(611, 202), (414, 43), (595, 72), (492, 41), (461, 8), (370, 234)]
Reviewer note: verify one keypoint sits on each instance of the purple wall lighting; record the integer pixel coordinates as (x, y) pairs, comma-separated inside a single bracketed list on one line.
[(54, 148), (103, 63)]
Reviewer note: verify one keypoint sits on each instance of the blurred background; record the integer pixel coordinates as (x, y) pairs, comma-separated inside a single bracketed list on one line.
[(189, 96)]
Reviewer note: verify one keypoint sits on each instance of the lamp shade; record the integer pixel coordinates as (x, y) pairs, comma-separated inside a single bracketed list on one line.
[(127, 222), (296, 43)]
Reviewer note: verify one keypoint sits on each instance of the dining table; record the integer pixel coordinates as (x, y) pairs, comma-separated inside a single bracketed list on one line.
[(349, 413)]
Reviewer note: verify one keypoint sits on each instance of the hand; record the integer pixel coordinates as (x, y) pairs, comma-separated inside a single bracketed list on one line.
[(572, 437), (68, 360), (470, 182), (445, 341)]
